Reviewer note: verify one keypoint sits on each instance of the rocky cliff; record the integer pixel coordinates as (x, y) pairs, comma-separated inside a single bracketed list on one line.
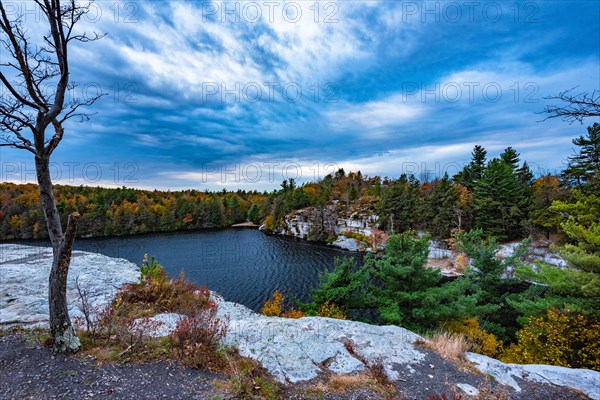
[(350, 228)]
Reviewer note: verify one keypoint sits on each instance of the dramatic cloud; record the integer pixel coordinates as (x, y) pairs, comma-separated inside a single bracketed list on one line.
[(234, 94)]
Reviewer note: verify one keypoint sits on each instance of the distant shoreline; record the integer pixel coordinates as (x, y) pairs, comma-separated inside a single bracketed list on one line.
[(247, 224)]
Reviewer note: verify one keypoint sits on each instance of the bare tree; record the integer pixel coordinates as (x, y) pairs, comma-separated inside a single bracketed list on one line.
[(34, 83), (574, 107)]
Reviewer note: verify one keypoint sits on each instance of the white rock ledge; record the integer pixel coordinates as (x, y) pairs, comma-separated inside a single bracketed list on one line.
[(24, 272), (584, 380)]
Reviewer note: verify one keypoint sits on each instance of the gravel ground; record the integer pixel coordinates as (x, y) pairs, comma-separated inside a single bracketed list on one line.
[(29, 370)]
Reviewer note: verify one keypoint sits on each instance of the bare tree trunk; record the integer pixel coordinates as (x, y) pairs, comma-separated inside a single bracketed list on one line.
[(61, 329)]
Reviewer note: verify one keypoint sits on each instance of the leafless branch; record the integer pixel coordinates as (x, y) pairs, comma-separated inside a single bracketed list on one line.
[(574, 107), (25, 103)]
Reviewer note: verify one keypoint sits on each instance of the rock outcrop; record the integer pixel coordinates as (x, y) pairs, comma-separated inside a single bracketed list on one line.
[(24, 272), (584, 380), (334, 223)]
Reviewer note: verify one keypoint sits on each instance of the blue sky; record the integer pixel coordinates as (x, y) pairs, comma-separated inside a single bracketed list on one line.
[(213, 95)]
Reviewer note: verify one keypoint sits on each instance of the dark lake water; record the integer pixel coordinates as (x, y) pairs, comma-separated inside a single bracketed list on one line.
[(242, 264)]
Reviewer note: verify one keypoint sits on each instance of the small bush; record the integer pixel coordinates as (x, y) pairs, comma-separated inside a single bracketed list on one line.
[(274, 307), (151, 269), (250, 381), (564, 338), (479, 340), (330, 310), (125, 328), (197, 338), (158, 295)]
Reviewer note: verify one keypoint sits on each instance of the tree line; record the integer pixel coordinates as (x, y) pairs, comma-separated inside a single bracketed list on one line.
[(109, 212), (501, 196)]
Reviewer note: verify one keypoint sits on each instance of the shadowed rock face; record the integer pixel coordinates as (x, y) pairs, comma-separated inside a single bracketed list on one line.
[(24, 272)]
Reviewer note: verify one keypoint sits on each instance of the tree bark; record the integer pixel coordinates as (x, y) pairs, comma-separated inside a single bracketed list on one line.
[(61, 329)]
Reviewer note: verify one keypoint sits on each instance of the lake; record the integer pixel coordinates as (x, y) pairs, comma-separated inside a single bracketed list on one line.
[(242, 264)]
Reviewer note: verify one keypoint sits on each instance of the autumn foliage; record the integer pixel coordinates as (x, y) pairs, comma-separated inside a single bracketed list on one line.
[(561, 337), (275, 307)]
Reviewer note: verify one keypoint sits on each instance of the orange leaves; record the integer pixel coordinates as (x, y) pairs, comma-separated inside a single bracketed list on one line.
[(273, 308)]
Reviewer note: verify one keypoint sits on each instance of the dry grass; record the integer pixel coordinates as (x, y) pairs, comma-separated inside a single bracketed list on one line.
[(449, 346), (347, 384), (344, 383)]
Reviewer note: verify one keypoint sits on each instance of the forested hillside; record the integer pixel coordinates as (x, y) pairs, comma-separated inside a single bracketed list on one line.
[(122, 211)]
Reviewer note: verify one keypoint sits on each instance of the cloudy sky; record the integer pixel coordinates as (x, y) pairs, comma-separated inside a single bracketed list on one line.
[(240, 94)]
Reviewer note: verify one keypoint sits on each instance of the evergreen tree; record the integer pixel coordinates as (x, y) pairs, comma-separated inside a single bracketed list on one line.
[(410, 295), (344, 287), (491, 280), (439, 208), (399, 204), (510, 157), (583, 170), (581, 224), (472, 172), (499, 201)]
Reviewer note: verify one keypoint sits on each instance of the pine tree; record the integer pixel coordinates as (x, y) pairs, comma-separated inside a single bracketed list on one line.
[(344, 287), (499, 201), (581, 224), (510, 157), (583, 170), (471, 173), (399, 204), (439, 209)]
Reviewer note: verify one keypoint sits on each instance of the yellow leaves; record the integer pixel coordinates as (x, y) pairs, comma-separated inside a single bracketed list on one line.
[(461, 262), (15, 222), (330, 310), (464, 196), (562, 338), (270, 223), (480, 340), (274, 308)]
